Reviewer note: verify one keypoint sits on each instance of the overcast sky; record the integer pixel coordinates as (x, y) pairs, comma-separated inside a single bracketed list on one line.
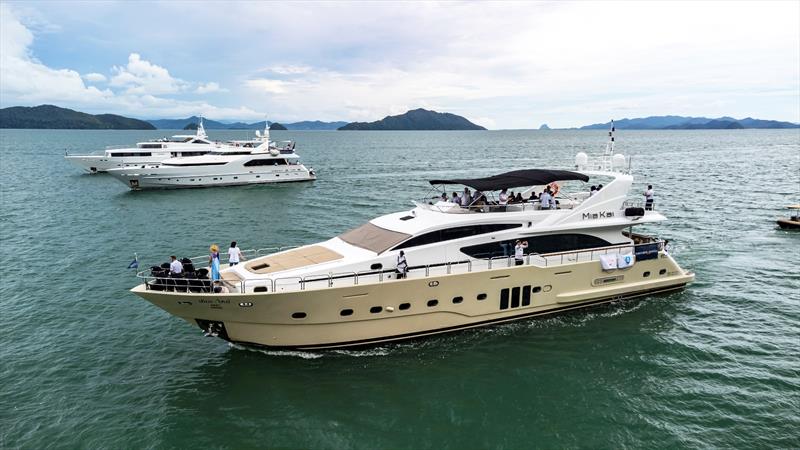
[(500, 64)]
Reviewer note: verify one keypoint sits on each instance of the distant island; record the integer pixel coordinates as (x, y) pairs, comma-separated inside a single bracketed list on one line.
[(208, 124), (416, 119), (53, 117), (544, 127), (690, 123), (276, 126)]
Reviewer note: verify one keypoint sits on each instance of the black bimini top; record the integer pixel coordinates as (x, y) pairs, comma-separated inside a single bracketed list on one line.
[(516, 178)]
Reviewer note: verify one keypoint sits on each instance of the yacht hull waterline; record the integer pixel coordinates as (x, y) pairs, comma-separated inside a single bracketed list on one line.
[(266, 319)]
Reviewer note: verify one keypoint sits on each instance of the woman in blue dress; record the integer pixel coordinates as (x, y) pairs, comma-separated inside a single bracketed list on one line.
[(213, 259)]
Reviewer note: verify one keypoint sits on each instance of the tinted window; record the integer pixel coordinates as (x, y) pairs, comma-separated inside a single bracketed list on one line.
[(455, 233), (537, 244), (266, 162)]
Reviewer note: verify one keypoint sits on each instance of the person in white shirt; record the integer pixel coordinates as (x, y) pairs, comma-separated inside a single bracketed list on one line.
[(235, 255), (402, 265), (503, 197), (175, 267), (648, 198), (592, 191), (456, 198), (466, 198), (545, 199), (519, 252)]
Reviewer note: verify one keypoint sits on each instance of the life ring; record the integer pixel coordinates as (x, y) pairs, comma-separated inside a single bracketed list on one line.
[(554, 187)]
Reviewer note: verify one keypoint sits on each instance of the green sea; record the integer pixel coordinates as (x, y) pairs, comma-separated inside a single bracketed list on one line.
[(86, 364)]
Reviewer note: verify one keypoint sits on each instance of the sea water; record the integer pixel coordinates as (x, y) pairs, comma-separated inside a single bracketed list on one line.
[(86, 364)]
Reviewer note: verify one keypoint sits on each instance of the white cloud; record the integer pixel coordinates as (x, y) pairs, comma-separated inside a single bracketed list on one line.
[(143, 77), (95, 77), (269, 86), (207, 88)]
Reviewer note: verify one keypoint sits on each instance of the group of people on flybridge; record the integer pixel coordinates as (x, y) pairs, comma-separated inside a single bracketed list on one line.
[(546, 199)]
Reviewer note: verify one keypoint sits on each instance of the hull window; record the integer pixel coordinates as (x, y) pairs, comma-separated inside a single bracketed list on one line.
[(376, 309), (266, 162), (346, 312), (404, 306), (432, 303)]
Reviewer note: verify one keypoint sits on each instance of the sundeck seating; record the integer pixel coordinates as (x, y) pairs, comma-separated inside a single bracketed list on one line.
[(292, 259)]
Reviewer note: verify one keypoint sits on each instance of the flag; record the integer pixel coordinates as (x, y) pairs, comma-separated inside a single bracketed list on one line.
[(135, 263)]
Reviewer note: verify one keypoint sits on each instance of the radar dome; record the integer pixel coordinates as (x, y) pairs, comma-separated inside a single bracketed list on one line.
[(618, 161), (581, 159)]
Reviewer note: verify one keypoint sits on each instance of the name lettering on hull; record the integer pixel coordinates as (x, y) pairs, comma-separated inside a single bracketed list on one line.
[(600, 215)]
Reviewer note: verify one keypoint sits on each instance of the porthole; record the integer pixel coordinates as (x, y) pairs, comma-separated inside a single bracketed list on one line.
[(404, 306), (260, 289), (457, 300), (235, 178), (432, 303), (299, 315), (377, 266), (376, 309), (481, 296), (662, 271), (536, 289), (547, 288), (346, 312), (646, 274)]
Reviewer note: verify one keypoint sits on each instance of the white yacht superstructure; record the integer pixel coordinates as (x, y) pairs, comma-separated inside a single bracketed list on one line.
[(228, 165), (467, 266), (149, 152)]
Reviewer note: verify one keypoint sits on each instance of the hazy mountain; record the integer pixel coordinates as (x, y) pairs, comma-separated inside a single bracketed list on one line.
[(53, 117), (544, 127), (179, 124), (416, 119), (276, 126), (689, 123)]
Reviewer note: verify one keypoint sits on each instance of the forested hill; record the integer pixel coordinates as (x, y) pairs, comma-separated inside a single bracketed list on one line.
[(417, 119), (49, 116)]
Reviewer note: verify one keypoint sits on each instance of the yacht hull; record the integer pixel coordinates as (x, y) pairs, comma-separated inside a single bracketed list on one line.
[(139, 181), (100, 163), (404, 309)]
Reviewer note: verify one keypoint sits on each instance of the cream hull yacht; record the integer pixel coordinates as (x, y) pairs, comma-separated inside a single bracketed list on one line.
[(462, 271), (225, 166), (150, 152)]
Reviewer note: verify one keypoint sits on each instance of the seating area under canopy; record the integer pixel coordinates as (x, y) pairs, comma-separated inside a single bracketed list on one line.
[(516, 178)]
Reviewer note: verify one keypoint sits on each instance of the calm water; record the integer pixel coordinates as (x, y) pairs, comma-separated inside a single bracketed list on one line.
[(86, 364)]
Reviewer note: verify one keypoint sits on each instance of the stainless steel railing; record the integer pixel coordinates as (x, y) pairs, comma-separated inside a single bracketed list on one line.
[(350, 278)]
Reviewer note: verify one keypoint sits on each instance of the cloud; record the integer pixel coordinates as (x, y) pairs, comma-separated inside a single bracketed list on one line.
[(143, 77), (207, 88), (95, 77), (268, 86), (28, 80)]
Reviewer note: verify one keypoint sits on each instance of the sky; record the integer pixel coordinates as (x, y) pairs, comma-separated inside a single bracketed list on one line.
[(503, 65)]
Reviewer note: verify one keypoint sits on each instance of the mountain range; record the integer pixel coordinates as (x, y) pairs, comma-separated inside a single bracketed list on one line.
[(690, 123), (49, 117), (416, 119), (180, 124)]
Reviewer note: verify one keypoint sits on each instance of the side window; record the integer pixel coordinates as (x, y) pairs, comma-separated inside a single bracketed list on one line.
[(266, 162), (537, 244), (455, 233)]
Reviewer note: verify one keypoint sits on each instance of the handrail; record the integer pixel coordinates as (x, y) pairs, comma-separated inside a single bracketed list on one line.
[(274, 285)]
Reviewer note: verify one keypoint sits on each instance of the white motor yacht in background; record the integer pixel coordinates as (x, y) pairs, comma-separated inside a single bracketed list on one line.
[(467, 266), (149, 152), (234, 164)]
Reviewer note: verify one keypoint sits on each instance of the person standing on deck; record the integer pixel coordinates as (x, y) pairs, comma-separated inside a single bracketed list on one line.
[(213, 260), (235, 255), (402, 265), (519, 252), (648, 198), (503, 197), (175, 267)]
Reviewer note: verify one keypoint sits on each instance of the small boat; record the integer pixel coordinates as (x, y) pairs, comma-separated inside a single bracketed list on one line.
[(468, 265), (234, 164), (793, 221)]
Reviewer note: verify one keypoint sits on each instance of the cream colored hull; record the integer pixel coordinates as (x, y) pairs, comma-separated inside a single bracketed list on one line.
[(267, 318)]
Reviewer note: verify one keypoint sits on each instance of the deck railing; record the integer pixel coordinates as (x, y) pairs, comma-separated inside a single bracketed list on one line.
[(346, 279)]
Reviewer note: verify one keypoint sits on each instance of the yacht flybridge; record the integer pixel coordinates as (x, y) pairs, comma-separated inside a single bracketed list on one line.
[(149, 152), (238, 163), (467, 266)]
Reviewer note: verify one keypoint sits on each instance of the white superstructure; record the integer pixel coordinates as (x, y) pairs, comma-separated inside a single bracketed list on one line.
[(236, 163), (149, 152)]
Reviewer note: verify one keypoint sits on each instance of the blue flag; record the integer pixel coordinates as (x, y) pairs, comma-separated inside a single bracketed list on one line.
[(134, 264)]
